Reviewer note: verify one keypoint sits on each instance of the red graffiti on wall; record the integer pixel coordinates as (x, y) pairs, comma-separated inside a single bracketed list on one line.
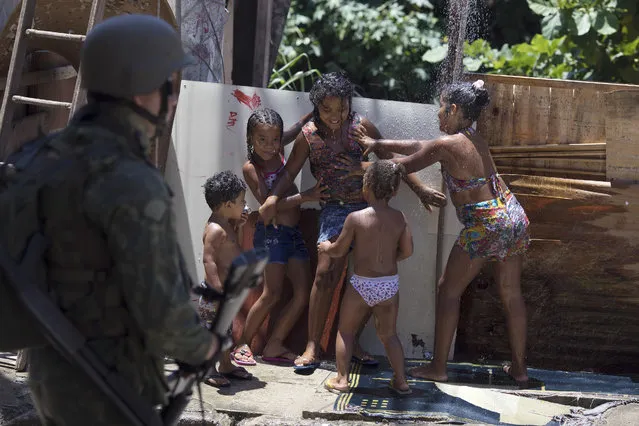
[(232, 120), (252, 102)]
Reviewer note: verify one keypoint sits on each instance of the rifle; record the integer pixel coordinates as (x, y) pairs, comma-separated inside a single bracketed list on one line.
[(245, 272)]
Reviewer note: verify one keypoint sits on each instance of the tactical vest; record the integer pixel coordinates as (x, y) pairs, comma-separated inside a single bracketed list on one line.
[(42, 191)]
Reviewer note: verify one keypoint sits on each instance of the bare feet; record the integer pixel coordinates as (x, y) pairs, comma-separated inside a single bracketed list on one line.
[(399, 386), (334, 386), (275, 350), (428, 372), (217, 380), (308, 357), (360, 353), (519, 376), (242, 355)]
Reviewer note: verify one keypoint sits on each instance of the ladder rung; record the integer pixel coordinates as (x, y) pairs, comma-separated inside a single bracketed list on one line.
[(55, 35), (41, 102)]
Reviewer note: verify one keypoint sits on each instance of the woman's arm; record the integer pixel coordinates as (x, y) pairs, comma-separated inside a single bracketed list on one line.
[(430, 153), (291, 133), (428, 196)]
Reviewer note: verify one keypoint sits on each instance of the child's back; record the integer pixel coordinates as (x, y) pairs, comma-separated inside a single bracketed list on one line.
[(378, 241)]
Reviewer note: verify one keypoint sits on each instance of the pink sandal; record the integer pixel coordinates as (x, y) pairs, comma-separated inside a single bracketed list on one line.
[(245, 351)]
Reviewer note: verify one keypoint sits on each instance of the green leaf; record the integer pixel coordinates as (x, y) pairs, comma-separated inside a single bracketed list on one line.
[(472, 64), (606, 23), (436, 54), (543, 7), (551, 25), (630, 49), (582, 21), (421, 3)]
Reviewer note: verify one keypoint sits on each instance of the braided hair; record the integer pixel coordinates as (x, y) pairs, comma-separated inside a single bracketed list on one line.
[(266, 116)]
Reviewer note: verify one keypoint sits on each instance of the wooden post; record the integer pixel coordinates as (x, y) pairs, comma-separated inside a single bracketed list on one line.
[(622, 135), (262, 51), (227, 48)]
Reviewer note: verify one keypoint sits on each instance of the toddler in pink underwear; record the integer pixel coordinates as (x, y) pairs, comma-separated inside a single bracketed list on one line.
[(380, 238)]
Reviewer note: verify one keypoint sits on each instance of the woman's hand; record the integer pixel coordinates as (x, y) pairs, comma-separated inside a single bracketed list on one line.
[(350, 166), (316, 193), (429, 197), (358, 133)]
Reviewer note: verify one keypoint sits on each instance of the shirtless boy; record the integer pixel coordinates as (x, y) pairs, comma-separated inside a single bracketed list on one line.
[(224, 193)]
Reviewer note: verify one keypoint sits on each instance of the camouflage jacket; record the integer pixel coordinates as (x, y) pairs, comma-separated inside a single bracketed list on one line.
[(114, 263)]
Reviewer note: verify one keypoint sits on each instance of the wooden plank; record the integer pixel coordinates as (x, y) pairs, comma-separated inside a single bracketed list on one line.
[(16, 66), (495, 123), (556, 172), (227, 49), (41, 102), (261, 54), (552, 155), (79, 94), (551, 148), (549, 82), (521, 115), (31, 32), (591, 121), (42, 77), (562, 121), (622, 135), (539, 107)]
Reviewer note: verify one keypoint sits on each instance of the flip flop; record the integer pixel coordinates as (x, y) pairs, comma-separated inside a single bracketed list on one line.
[(369, 362), (238, 373), (332, 389), (217, 380), (311, 365), (244, 352), (280, 359), (391, 386)]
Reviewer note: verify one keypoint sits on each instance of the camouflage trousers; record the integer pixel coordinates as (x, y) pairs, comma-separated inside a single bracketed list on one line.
[(67, 397)]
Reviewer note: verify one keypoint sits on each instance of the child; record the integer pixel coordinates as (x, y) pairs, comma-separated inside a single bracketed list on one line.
[(288, 254), (338, 161), (224, 193), (495, 224), (381, 238)]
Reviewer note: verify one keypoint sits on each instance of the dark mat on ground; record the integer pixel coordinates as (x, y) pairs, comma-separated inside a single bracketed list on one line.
[(370, 393)]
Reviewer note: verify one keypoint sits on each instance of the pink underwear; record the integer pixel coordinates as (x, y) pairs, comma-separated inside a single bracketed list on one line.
[(375, 290)]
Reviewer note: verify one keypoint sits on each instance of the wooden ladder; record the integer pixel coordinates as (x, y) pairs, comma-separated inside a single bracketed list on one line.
[(24, 30)]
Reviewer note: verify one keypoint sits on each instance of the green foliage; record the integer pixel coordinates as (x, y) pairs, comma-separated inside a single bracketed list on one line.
[(580, 39), (390, 49), (285, 77), (393, 49)]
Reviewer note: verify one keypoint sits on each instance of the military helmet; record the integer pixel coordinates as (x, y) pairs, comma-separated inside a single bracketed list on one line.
[(129, 55)]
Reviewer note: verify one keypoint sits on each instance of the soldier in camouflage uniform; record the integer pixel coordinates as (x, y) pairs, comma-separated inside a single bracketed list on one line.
[(114, 265)]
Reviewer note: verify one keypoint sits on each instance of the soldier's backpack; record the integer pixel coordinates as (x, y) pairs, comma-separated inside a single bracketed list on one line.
[(23, 175), (20, 185)]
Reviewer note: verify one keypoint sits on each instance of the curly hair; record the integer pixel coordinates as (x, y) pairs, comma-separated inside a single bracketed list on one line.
[(472, 100), (333, 84), (222, 187), (383, 178), (261, 116)]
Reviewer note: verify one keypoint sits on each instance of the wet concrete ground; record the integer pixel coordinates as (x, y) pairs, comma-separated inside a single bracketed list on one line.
[(279, 396)]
